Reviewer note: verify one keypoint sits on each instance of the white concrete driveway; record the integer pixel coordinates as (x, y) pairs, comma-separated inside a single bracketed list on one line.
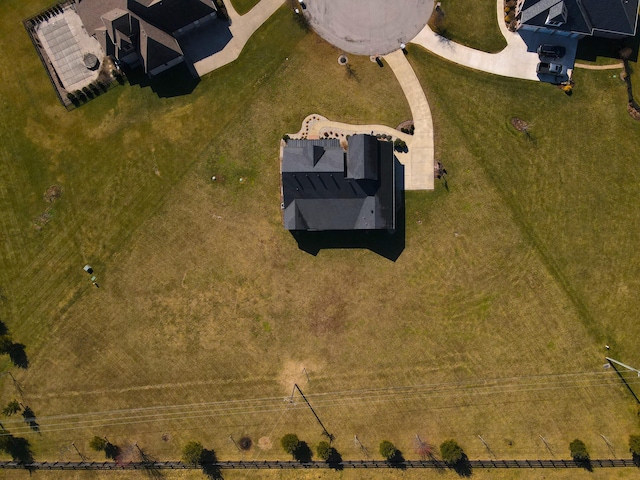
[(515, 60)]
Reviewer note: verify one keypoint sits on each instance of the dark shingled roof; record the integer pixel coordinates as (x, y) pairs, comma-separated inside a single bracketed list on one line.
[(320, 194), (588, 17), (146, 25)]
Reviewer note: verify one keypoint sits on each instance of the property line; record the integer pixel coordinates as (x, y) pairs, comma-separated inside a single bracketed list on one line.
[(281, 465)]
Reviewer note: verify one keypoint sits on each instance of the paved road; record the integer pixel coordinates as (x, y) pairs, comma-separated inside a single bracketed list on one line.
[(368, 27)]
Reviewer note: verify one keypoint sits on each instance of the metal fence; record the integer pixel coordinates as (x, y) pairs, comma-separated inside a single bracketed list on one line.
[(281, 465)]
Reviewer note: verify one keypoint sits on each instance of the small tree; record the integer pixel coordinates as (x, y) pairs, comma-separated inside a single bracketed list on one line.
[(98, 443), (579, 451), (634, 445), (388, 450), (192, 453), (12, 408), (451, 452), (290, 443), (324, 450)]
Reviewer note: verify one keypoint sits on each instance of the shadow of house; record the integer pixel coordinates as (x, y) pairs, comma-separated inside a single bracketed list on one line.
[(337, 199), (172, 83), (155, 35)]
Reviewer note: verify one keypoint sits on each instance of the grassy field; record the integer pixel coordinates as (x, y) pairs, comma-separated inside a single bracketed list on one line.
[(492, 322), (243, 6), (474, 24)]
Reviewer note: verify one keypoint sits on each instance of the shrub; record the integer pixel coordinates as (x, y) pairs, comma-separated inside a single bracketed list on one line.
[(290, 443), (192, 453), (285, 137), (399, 144), (324, 450), (98, 444), (508, 19), (451, 452), (388, 450), (579, 451)]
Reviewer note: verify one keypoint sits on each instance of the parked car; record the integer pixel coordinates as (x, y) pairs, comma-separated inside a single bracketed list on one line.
[(551, 68), (551, 51)]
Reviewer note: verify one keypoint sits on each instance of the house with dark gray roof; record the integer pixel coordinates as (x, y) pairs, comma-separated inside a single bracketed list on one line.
[(325, 188), (579, 18), (144, 33)]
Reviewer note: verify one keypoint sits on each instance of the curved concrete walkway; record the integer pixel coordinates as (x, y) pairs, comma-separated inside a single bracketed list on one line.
[(419, 159), (242, 27), (513, 61)]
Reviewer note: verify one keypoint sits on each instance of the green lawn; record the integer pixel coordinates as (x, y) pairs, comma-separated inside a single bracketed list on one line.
[(207, 311), (243, 6), (474, 24)]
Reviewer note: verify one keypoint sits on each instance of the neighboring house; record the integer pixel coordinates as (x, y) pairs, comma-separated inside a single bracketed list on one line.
[(325, 188), (579, 18), (144, 33)]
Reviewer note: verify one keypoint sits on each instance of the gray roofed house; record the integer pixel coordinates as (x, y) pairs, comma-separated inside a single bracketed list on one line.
[(579, 18), (143, 32), (326, 188)]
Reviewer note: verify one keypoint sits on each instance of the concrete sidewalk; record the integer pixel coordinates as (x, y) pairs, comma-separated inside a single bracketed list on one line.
[(513, 61), (242, 27)]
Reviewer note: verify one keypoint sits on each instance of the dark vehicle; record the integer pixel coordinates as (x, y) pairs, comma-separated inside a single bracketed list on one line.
[(551, 68), (551, 51)]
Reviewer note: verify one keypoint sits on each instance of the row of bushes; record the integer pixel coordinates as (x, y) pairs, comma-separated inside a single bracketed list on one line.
[(450, 451), (93, 90)]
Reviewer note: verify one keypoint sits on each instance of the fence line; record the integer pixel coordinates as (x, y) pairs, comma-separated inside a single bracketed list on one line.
[(278, 465)]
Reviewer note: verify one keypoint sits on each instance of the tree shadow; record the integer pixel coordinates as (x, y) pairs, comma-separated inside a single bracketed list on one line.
[(112, 451), (18, 448), (3, 328), (177, 81), (636, 459), (389, 245), (149, 464), (335, 459), (397, 460), (30, 419), (303, 453), (584, 463), (209, 463), (462, 467), (18, 355)]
